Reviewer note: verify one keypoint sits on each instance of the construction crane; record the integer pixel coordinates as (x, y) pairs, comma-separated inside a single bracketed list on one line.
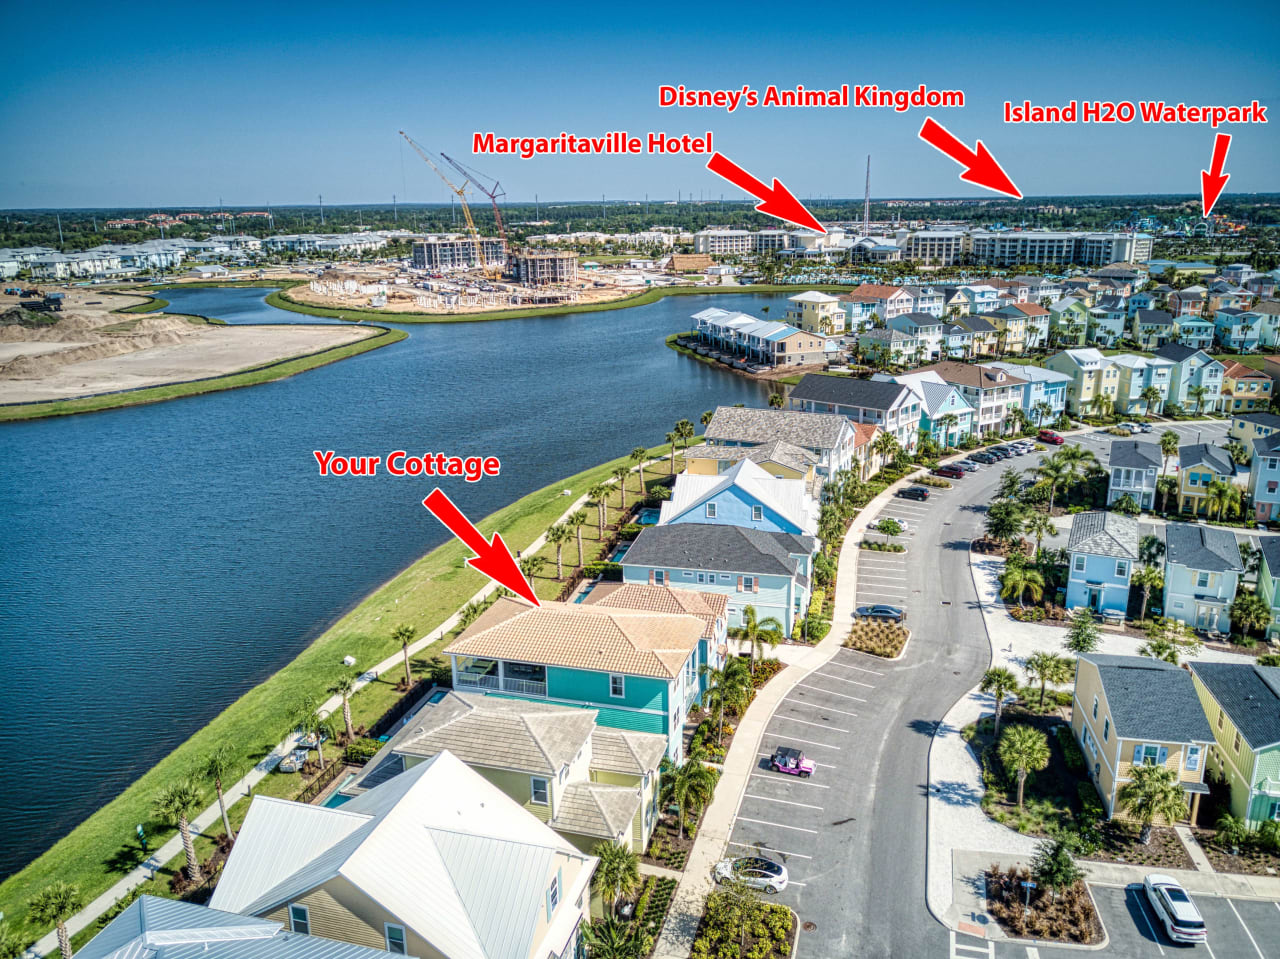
[(478, 180), (493, 272)]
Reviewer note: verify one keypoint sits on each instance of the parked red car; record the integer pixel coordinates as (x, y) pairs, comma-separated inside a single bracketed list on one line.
[(1049, 436), (950, 472)]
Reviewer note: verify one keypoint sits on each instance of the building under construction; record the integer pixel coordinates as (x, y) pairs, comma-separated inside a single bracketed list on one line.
[(456, 251), (544, 267)]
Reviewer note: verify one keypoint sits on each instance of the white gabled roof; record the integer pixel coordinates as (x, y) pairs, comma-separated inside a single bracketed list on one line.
[(439, 847), (786, 497), (813, 296)]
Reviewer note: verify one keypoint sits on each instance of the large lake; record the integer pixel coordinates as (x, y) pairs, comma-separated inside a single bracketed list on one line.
[(159, 561)]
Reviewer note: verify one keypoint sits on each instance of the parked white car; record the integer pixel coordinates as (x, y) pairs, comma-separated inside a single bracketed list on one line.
[(755, 871), (1175, 910), (901, 522)]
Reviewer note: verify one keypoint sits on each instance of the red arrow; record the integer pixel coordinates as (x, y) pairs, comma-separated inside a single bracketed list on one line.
[(980, 166), (777, 202), (1213, 179), (492, 558)]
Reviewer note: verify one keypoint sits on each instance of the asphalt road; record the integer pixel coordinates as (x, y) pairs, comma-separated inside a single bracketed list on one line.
[(853, 837)]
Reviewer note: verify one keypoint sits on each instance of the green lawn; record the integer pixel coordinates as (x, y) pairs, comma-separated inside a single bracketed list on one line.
[(153, 304), (172, 391), (101, 849)]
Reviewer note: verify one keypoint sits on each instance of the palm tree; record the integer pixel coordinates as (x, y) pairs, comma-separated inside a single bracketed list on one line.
[(1168, 447), (557, 536), (1019, 579), (597, 495), (403, 634), (1197, 393), (1220, 497), (1148, 578), (1024, 749), (344, 686), (685, 430), (531, 566), (688, 786), (1149, 396), (1153, 792), (617, 873), (1041, 409), (1038, 525), (777, 401), (757, 632), (620, 474), (1056, 472), (217, 767), (638, 456), (12, 945), (54, 905), (999, 682), (728, 687), (1164, 486), (948, 422), (576, 521), (1050, 669), (886, 446), (1250, 611), (612, 938), (707, 417), (672, 439), (176, 804)]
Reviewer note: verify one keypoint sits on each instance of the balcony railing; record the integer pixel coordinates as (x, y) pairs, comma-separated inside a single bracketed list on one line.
[(524, 687), (477, 681)]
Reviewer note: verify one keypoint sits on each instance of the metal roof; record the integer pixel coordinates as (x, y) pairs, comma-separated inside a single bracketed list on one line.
[(1151, 700), (789, 498)]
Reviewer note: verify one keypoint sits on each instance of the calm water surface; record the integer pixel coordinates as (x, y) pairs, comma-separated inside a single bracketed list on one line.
[(159, 561)]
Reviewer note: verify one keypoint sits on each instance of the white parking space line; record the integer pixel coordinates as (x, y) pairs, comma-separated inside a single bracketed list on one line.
[(882, 582), (761, 848), (841, 679), (779, 777), (832, 693), (792, 882), (810, 742), (861, 669), (823, 765), (785, 802), (776, 825), (1142, 908), (805, 722), (825, 709), (1246, 930)]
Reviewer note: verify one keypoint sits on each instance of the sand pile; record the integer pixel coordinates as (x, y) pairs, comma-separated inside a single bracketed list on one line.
[(149, 332)]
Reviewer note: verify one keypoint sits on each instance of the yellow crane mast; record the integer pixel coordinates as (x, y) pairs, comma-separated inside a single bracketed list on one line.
[(493, 272)]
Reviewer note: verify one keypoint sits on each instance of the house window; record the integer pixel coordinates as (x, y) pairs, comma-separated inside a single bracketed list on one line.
[(1095, 706), (757, 513), (711, 511), (1193, 758), (395, 939), (1274, 811), (553, 894), (1235, 743), (538, 791), (748, 584), (1106, 730), (1078, 564), (617, 686), (300, 919), (659, 577), (1221, 719), (1089, 742), (1146, 755), (1122, 568), (726, 578), (1202, 580)]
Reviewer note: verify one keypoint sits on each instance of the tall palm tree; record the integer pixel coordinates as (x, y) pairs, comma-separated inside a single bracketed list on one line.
[(1057, 473), (707, 417), (1153, 792), (757, 632), (999, 682), (344, 686), (1164, 486), (638, 456), (728, 687), (1198, 394), (685, 430), (1038, 525), (576, 521), (217, 767), (176, 804), (557, 536), (672, 439), (597, 495), (1041, 409), (617, 873), (54, 905), (1024, 749), (1049, 669), (1150, 396), (1019, 580), (886, 446), (689, 786), (620, 473), (403, 634), (1147, 578), (776, 401), (1168, 447), (1220, 497), (948, 422), (531, 566)]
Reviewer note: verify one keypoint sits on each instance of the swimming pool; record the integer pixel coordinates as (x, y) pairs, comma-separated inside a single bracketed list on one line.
[(620, 552), (337, 799), (648, 516)]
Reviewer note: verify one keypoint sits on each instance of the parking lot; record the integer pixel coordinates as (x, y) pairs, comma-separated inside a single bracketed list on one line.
[(1099, 442)]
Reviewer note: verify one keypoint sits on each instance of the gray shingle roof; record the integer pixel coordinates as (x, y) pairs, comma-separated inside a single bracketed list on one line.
[(1271, 554), (728, 549), (1151, 700), (1135, 454), (1154, 318), (1104, 534), (847, 391), (1175, 352), (1260, 417), (975, 324), (1250, 696), (1265, 445), (1206, 454), (1202, 547), (748, 425)]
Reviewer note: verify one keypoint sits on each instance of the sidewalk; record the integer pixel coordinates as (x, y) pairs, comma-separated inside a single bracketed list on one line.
[(681, 927), (211, 816)]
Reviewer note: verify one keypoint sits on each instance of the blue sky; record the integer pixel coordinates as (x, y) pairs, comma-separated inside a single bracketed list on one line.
[(168, 105)]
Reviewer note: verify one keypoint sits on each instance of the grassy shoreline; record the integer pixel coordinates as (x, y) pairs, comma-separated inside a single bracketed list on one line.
[(155, 394), (98, 851)]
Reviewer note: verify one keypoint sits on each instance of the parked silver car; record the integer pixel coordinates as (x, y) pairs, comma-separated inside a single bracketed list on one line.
[(1175, 910), (755, 871)]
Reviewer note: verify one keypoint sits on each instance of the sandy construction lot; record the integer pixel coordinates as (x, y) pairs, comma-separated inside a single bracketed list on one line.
[(205, 351)]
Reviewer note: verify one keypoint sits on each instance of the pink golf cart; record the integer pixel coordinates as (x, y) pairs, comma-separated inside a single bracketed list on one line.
[(791, 761)]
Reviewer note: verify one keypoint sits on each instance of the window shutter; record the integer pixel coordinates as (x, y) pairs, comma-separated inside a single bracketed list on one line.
[(547, 894), (739, 584), (650, 577), (1163, 755), (755, 585), (1137, 754), (560, 882)]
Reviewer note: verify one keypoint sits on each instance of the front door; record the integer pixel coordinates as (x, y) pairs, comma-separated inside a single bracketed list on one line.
[(1206, 617), (1095, 599)]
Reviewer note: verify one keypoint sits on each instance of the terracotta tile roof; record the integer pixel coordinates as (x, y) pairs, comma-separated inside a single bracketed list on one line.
[(1031, 309), (1238, 371), (878, 290), (579, 636), (858, 298), (661, 599), (864, 433), (978, 377)]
